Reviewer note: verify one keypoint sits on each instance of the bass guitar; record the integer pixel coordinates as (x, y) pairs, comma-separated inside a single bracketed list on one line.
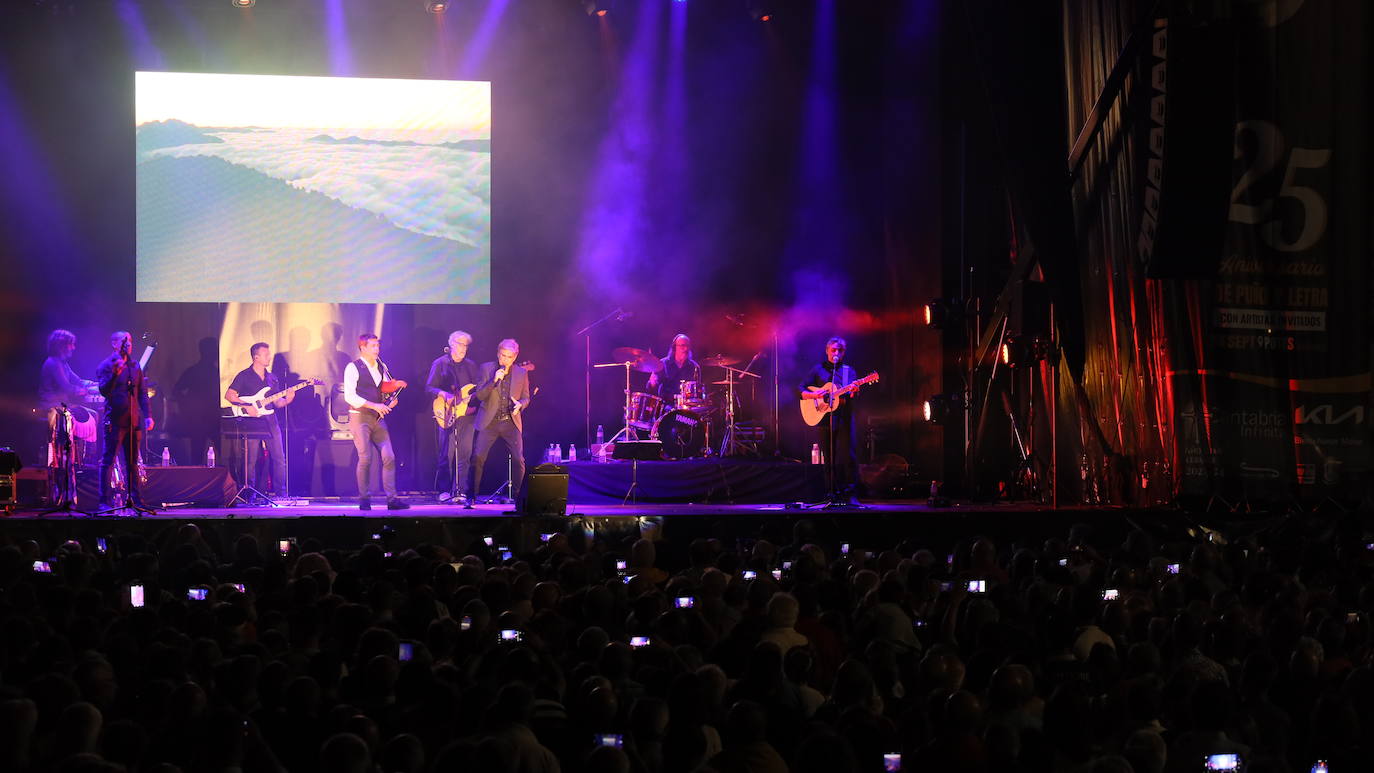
[(263, 401), (814, 409)]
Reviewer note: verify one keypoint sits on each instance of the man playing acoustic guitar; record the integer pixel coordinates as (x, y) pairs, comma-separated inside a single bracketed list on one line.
[(824, 396), (452, 379)]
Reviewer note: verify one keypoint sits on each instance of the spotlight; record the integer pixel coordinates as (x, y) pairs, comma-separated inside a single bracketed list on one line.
[(436, 6), (761, 10), (1024, 351), (243, 3), (596, 7), (943, 311), (938, 409)]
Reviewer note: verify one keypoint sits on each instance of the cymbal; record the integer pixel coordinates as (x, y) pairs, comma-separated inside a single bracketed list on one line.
[(722, 382), (641, 360), (624, 353), (721, 360)]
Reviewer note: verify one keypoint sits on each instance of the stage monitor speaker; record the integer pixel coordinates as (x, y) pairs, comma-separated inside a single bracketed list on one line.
[(641, 450), (546, 491)]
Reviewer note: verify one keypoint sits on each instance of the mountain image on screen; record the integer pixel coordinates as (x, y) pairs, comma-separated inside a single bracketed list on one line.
[(264, 214)]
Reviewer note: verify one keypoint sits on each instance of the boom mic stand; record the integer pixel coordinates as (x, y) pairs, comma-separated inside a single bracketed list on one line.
[(586, 333)]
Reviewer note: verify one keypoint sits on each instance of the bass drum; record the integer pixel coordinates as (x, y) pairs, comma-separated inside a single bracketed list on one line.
[(682, 434)]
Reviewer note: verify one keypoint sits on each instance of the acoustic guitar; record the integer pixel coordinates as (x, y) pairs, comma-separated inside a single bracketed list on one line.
[(813, 410)]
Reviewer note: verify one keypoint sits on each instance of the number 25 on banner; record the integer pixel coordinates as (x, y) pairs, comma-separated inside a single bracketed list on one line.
[(1269, 151)]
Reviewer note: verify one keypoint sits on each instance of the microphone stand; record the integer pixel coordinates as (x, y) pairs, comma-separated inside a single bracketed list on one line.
[(130, 458), (586, 334)]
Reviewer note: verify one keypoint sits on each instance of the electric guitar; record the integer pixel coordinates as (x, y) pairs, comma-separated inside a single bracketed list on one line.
[(446, 413), (814, 409), (262, 401)]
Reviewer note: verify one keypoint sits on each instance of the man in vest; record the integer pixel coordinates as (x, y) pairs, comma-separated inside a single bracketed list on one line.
[(367, 409)]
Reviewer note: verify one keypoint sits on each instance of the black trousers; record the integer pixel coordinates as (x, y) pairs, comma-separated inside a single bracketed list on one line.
[(842, 466), (451, 474), (124, 441), (503, 429)]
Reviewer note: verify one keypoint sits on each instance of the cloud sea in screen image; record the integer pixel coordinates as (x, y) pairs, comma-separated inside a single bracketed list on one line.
[(279, 189), (427, 181)]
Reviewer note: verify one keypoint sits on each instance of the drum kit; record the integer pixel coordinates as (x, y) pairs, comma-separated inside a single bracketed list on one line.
[(682, 422)]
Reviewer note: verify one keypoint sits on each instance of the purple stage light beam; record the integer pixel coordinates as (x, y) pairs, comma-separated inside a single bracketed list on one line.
[(146, 55), (481, 39), (41, 230), (614, 245), (336, 37)]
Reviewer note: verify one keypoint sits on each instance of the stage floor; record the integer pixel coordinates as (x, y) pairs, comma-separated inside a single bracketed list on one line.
[(427, 510)]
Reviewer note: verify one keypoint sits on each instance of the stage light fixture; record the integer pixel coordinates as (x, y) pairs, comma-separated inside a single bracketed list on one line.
[(596, 7), (1024, 351), (760, 10), (938, 409), (243, 3), (436, 6), (941, 312)]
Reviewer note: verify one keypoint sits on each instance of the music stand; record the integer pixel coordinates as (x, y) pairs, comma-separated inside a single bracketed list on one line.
[(244, 429)]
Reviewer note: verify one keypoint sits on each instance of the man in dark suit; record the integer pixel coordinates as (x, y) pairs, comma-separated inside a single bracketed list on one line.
[(504, 389), (120, 380)]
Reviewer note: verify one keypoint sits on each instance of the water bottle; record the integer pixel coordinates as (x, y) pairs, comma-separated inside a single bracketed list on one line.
[(572, 452), (166, 457), (815, 453), (549, 455), (557, 454), (210, 456)]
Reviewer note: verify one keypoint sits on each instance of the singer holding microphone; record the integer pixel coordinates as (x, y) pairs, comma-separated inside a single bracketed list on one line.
[(120, 380), (504, 389)]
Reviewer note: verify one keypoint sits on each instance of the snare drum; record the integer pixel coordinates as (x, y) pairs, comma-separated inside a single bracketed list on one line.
[(645, 410), (682, 434), (690, 394)]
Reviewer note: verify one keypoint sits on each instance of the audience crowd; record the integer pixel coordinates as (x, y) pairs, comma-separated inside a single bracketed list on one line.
[(635, 655)]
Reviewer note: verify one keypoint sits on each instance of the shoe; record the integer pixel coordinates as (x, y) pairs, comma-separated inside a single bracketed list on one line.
[(364, 503), (461, 499), (445, 496), (396, 504)]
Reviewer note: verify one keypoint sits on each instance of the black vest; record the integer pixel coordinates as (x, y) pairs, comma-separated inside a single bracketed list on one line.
[(368, 389)]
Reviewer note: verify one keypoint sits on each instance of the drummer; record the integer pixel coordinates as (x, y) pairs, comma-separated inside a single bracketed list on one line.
[(678, 367)]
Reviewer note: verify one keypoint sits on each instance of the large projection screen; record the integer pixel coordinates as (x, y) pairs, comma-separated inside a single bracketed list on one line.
[(288, 189)]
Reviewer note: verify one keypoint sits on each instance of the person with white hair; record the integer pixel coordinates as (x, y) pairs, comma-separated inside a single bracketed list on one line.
[(451, 383)]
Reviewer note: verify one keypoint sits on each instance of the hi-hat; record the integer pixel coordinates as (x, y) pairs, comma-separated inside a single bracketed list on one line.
[(720, 360)]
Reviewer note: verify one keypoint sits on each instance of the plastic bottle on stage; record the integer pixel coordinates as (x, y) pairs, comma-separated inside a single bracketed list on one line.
[(815, 453), (572, 452), (210, 456), (557, 454), (166, 457)]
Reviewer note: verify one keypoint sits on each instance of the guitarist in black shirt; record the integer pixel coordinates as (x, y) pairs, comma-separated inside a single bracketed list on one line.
[(256, 381)]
